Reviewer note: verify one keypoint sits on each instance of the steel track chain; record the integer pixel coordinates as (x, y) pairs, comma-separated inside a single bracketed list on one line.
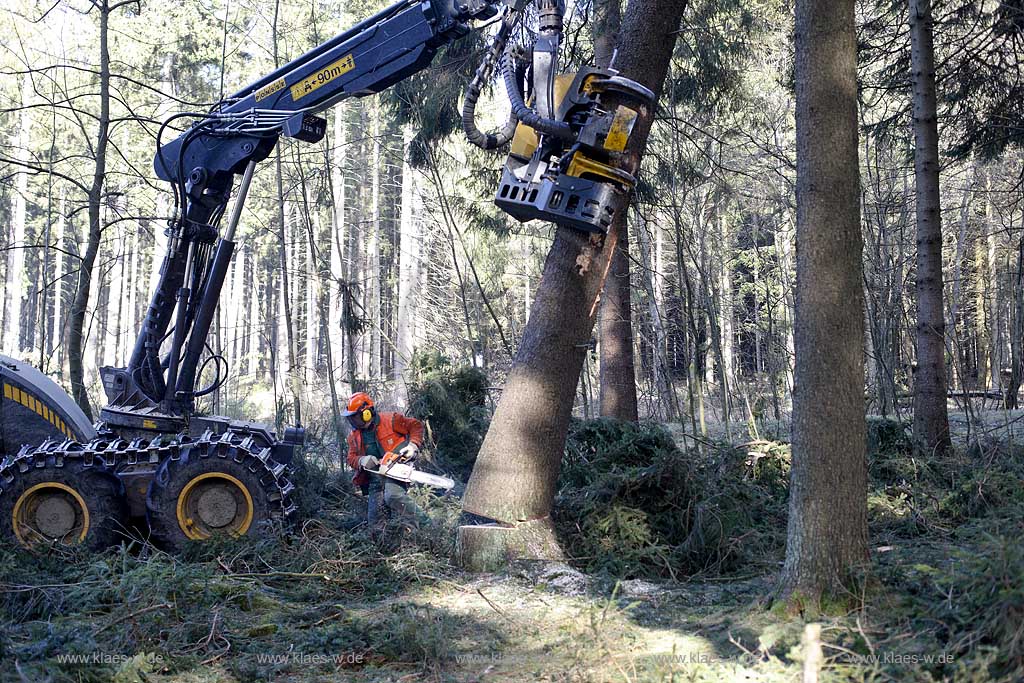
[(111, 454)]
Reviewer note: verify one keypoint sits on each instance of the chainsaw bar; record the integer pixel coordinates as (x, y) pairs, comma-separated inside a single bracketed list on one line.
[(408, 474)]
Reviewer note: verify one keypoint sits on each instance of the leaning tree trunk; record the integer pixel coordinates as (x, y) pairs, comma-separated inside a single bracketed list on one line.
[(516, 471), (80, 304), (828, 531), (931, 420)]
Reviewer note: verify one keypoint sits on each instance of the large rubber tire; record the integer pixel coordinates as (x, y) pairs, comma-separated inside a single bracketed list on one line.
[(90, 491), (260, 480)]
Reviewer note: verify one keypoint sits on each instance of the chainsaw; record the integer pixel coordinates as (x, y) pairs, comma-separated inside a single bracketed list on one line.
[(394, 466)]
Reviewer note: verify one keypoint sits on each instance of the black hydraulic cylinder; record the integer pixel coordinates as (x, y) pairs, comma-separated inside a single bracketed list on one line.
[(208, 298), (158, 316), (180, 326)]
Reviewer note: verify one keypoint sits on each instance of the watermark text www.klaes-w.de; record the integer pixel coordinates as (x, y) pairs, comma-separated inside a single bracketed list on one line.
[(280, 659), (909, 659), (897, 658), (311, 659), (103, 658), (705, 658), (493, 658)]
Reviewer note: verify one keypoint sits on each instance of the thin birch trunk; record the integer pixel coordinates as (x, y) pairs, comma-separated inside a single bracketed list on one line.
[(15, 285), (45, 276), (651, 255), (409, 248), (58, 276), (373, 252), (79, 308), (253, 347), (337, 274), (285, 289)]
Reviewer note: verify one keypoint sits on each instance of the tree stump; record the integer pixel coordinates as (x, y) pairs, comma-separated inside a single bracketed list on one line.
[(489, 547)]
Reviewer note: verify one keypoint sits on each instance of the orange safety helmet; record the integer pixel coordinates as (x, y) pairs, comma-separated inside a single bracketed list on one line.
[(360, 410)]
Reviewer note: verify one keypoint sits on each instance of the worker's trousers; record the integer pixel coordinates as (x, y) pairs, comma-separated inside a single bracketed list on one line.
[(391, 494)]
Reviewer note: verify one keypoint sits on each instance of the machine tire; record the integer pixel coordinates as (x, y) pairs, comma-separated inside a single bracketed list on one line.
[(258, 488), (73, 485)]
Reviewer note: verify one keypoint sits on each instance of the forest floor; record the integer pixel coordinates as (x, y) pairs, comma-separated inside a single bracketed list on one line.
[(942, 601)]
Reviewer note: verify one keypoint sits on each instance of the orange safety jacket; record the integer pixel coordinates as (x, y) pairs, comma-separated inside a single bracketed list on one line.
[(393, 430)]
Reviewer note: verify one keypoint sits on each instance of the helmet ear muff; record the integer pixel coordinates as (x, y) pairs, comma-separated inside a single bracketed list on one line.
[(367, 415)]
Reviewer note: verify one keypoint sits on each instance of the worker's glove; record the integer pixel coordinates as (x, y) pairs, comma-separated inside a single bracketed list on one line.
[(409, 452), (369, 462)]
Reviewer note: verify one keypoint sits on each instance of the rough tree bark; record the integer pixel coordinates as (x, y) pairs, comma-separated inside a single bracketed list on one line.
[(617, 388), (516, 471), (827, 533), (931, 420), (617, 391)]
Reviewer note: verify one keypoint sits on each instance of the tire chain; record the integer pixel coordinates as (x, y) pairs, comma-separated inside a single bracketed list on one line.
[(107, 454)]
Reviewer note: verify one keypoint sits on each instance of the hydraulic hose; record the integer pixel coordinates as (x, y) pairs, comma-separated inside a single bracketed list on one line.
[(526, 115), (549, 15), (476, 136)]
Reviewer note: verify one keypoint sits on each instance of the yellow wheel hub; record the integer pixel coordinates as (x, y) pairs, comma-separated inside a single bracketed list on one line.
[(214, 503), (49, 512)]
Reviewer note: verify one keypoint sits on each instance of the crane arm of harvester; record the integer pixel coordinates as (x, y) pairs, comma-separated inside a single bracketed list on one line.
[(202, 163), (562, 167)]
